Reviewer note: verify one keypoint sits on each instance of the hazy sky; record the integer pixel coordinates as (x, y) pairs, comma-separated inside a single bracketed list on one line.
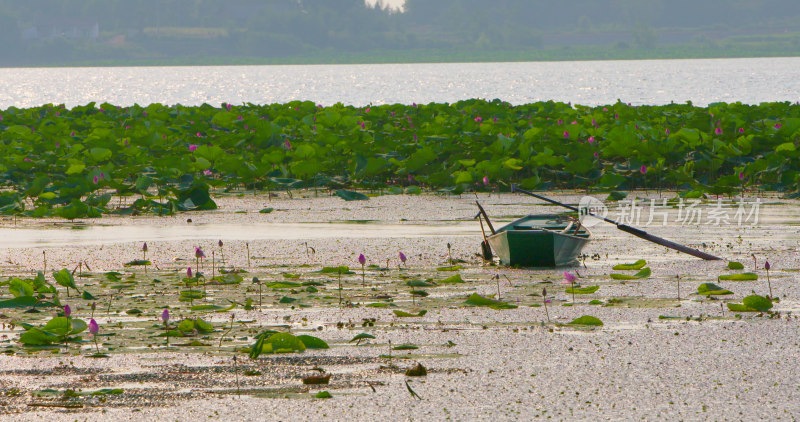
[(393, 3)]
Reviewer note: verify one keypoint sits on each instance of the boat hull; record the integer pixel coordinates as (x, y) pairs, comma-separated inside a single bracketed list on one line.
[(536, 248)]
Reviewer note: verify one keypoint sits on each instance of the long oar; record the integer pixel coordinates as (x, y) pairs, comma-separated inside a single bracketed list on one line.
[(628, 229), (488, 222), (485, 248)]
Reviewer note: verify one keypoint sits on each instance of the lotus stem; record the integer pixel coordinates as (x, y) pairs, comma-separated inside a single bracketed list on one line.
[(769, 285), (340, 286)]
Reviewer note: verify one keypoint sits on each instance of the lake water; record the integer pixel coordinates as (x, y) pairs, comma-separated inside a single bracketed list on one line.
[(590, 83)]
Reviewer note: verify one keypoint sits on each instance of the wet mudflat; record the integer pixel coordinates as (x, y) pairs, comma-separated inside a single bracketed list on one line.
[(663, 351)]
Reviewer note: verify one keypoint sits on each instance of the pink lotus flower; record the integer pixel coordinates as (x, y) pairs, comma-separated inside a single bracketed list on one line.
[(402, 257), (560, 122), (367, 110), (741, 175), (287, 144), (363, 125), (741, 130), (95, 180), (189, 272), (643, 170), (574, 122), (72, 133), (199, 135), (28, 159), (605, 109), (478, 119), (486, 180), (144, 247), (228, 106), (67, 311), (591, 139), (718, 131), (596, 155), (778, 125), (144, 113), (362, 259), (165, 316), (616, 116), (198, 253), (667, 132), (240, 117), (594, 122), (566, 134), (766, 265), (207, 172), (93, 327), (569, 278)]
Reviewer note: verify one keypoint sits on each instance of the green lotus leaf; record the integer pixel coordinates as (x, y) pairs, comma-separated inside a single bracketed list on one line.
[(351, 196), (643, 273), (582, 290), (403, 314), (638, 265), (734, 265), (362, 336), (64, 278), (587, 320), (478, 300), (19, 288), (419, 283), (757, 302), (312, 342), (709, 289), (739, 277)]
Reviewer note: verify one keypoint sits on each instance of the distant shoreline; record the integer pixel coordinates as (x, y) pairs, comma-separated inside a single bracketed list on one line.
[(436, 56)]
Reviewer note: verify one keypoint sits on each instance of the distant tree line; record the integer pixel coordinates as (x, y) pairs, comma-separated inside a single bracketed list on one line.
[(71, 31)]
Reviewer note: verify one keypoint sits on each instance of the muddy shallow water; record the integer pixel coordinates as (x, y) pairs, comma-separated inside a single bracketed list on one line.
[(662, 352)]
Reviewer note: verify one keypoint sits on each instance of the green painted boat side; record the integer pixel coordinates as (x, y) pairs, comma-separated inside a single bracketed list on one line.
[(539, 241)]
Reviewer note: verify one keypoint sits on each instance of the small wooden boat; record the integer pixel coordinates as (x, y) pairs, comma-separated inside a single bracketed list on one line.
[(541, 240)]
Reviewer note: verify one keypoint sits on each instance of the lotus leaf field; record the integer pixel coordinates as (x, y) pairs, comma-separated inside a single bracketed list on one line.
[(373, 294), (68, 162)]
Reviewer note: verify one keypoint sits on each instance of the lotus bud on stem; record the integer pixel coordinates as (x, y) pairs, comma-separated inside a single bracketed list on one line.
[(93, 329), (767, 267), (571, 280), (362, 260)]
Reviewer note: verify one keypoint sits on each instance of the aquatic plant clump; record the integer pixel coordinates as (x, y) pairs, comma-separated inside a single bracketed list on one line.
[(71, 162)]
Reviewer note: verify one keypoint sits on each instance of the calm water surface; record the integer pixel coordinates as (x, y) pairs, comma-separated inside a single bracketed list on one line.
[(591, 83)]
